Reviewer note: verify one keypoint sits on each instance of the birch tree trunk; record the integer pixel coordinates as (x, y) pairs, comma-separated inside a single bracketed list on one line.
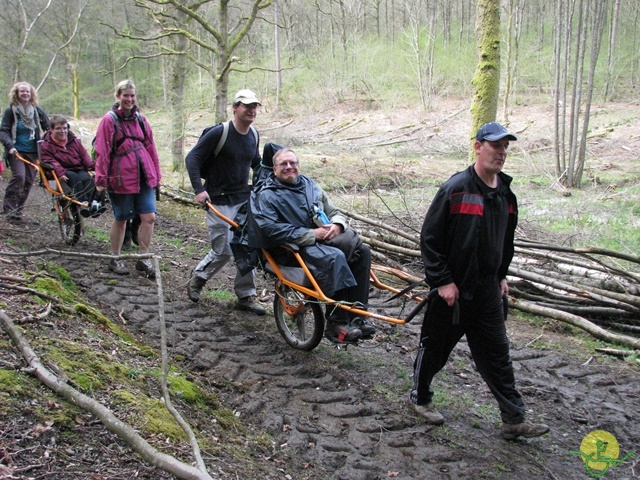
[(276, 35), (598, 16), (613, 31)]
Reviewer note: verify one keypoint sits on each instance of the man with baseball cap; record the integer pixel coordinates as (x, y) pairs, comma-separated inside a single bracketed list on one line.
[(467, 246), (225, 165), (493, 132), (246, 97)]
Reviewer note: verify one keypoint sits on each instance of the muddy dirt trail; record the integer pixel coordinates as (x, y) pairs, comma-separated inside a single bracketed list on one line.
[(342, 412)]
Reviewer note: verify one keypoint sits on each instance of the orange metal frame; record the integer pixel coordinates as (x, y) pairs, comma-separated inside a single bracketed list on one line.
[(45, 181), (316, 292)]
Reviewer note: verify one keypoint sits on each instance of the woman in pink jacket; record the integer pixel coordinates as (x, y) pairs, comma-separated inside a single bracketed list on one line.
[(71, 162), (128, 168)]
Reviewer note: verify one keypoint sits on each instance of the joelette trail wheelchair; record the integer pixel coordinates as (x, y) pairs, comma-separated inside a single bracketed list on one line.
[(298, 299), (67, 208)]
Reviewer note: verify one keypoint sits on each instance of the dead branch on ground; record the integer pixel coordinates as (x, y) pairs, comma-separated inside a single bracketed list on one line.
[(108, 419)]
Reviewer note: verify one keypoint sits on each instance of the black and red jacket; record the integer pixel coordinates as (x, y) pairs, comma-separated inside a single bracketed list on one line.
[(450, 235)]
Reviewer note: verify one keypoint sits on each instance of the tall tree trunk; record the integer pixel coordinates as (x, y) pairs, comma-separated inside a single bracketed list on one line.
[(576, 93), (599, 14), (613, 30), (222, 79), (76, 92), (511, 12), (276, 35), (176, 95), (486, 80), (560, 87)]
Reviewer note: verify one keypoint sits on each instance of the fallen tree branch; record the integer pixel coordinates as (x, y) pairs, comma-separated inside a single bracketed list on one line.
[(276, 127), (344, 127), (592, 266), (167, 191), (608, 299), (108, 419), (394, 142), (579, 250), (20, 289), (75, 254), (390, 248), (165, 371), (34, 318), (576, 321), (618, 353), (401, 274), (376, 223)]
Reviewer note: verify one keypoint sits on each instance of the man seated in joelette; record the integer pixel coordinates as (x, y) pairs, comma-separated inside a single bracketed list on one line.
[(282, 211)]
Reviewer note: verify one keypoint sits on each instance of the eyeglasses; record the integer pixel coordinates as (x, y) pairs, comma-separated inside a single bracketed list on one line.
[(61, 129), (293, 163)]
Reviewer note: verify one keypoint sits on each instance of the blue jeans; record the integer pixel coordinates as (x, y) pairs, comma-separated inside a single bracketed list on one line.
[(127, 205)]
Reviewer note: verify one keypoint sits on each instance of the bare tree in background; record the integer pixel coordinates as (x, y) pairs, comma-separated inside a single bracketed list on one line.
[(25, 22), (276, 38), (514, 31), (613, 32), (63, 29), (421, 40), (222, 24), (573, 99)]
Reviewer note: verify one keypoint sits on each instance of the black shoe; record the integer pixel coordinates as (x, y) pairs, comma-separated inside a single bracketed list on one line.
[(85, 212), (367, 328), (342, 333), (248, 304)]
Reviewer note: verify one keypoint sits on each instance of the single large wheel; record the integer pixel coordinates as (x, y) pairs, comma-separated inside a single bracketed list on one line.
[(70, 221), (299, 320)]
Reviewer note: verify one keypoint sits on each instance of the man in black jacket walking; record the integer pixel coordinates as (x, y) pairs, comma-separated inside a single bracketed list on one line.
[(224, 163), (467, 246)]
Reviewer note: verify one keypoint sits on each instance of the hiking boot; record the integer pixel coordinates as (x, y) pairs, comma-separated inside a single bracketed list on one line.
[(340, 332), (194, 287), (367, 328), (146, 267), (511, 431), (429, 413), (85, 212), (248, 304), (118, 267)]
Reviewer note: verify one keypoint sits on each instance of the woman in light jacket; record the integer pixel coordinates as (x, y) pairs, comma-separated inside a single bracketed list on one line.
[(23, 124), (128, 168)]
